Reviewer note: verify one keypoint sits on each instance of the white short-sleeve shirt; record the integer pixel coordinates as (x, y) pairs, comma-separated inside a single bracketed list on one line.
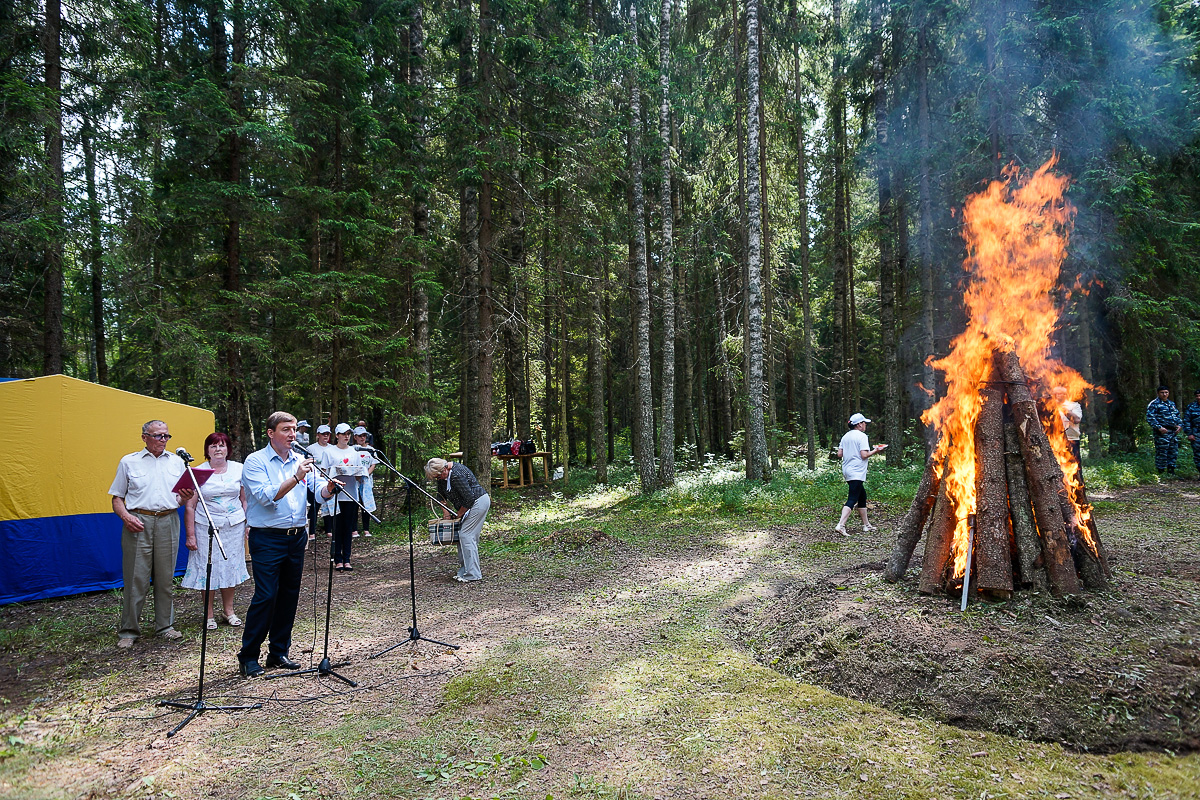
[(854, 466), (145, 482)]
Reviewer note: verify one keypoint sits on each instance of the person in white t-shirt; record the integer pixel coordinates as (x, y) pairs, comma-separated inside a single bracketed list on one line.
[(319, 448), (854, 450), (1070, 414)]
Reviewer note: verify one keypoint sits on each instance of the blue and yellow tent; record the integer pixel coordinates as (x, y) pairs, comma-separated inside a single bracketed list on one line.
[(58, 456)]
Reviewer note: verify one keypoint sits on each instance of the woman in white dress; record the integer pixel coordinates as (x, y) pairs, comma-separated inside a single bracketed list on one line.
[(224, 495)]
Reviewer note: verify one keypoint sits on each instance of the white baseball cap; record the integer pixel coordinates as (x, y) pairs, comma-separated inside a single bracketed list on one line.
[(303, 424), (359, 430), (323, 429), (342, 428), (857, 418)]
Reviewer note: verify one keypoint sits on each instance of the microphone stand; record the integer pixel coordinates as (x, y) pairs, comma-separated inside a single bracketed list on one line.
[(325, 668), (199, 706), (413, 634)]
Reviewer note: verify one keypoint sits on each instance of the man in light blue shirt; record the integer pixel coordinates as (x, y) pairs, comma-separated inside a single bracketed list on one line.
[(277, 481)]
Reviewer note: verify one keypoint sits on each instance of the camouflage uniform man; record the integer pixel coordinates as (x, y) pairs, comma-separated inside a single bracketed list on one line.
[(1191, 428), (1163, 418)]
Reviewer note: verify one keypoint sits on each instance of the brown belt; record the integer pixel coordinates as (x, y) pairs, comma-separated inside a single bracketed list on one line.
[(153, 513)]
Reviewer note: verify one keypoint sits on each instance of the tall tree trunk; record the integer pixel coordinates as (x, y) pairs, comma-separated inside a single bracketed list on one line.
[(1091, 414), (565, 442), (479, 459), (95, 254), (666, 442), (643, 429), (416, 404), (156, 366), (841, 279), (237, 410), (468, 236), (810, 389), (597, 338), (993, 14), (925, 235), (726, 387), (887, 262), (516, 340), (758, 465), (772, 423), (52, 255)]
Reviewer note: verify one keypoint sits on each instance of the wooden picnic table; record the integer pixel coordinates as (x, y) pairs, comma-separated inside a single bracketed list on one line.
[(521, 468)]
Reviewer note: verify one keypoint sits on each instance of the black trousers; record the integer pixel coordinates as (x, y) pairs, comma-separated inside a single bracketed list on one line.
[(343, 527), (856, 494), (278, 561)]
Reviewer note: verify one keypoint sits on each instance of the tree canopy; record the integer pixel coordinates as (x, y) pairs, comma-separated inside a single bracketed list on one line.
[(464, 221)]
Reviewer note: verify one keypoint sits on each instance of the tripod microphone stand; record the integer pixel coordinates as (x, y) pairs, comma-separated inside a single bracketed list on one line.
[(199, 706), (413, 634), (325, 668)]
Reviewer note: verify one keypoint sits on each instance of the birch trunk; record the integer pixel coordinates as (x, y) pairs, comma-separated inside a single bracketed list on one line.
[(810, 405), (757, 458), (666, 442)]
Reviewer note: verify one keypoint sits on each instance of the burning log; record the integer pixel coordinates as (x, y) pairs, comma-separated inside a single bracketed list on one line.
[(1044, 477), (1099, 560), (909, 531), (937, 544), (1029, 548), (993, 559)]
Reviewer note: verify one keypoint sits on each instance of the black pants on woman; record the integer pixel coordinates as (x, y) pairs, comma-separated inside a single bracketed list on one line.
[(343, 527)]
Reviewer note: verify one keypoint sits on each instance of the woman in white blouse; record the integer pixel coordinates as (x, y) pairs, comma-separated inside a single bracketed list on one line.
[(225, 498)]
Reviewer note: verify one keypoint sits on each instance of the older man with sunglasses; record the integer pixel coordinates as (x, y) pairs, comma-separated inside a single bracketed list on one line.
[(142, 498)]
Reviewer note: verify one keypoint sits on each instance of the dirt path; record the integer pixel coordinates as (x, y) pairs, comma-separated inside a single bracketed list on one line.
[(616, 663)]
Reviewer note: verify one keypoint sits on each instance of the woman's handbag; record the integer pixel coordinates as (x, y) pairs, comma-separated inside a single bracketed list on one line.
[(444, 531)]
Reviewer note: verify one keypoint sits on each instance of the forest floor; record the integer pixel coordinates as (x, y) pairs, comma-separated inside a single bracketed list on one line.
[(719, 642)]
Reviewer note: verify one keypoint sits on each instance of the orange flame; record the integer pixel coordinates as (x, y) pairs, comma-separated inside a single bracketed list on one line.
[(1016, 232)]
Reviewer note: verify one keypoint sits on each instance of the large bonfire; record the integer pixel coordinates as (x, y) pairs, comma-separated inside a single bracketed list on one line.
[(1003, 502)]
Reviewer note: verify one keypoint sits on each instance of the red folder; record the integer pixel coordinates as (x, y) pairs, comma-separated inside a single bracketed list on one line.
[(185, 480)]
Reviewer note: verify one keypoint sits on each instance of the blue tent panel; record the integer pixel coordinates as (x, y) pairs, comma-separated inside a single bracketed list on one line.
[(57, 556)]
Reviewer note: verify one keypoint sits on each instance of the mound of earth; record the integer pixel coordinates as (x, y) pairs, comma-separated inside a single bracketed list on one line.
[(1103, 671)]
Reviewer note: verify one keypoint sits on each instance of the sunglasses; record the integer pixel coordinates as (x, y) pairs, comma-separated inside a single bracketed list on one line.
[(162, 437)]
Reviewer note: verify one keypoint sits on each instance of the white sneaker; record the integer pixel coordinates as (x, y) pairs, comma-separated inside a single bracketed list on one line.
[(868, 528), (840, 530)]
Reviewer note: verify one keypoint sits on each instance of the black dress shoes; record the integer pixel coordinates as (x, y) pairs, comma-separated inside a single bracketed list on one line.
[(251, 669), (281, 661)]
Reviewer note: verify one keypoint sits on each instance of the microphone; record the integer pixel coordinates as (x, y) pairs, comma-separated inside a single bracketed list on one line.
[(362, 448), (184, 454), (300, 449)]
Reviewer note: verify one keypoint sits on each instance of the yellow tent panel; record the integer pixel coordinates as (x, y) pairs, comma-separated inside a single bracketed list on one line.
[(65, 437)]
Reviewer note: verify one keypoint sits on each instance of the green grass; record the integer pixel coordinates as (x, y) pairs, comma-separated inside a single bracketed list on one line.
[(1124, 472)]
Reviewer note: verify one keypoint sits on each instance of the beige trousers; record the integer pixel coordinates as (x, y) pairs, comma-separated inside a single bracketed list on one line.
[(149, 554)]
